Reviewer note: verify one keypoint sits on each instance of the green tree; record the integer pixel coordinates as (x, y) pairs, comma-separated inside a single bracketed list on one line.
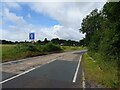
[(55, 40), (91, 26), (45, 41)]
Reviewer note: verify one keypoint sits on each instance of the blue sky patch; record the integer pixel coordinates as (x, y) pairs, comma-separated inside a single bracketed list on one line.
[(38, 19)]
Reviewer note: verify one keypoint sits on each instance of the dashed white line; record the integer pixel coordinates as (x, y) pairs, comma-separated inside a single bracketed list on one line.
[(23, 73), (75, 75)]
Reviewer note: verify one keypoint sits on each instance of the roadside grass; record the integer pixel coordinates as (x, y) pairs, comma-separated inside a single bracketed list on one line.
[(9, 52), (99, 74), (20, 51)]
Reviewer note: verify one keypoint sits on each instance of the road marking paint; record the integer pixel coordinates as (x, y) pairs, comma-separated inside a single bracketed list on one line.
[(17, 75), (75, 75), (51, 60), (24, 73), (83, 83), (21, 60)]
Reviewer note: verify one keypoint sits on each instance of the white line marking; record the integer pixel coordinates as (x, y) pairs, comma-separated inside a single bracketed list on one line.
[(17, 75), (24, 72), (17, 61), (75, 76), (83, 83), (51, 60)]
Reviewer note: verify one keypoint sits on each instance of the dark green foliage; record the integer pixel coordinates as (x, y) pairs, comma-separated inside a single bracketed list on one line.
[(45, 41), (102, 31), (26, 47), (91, 26), (49, 47), (39, 41), (55, 40), (65, 42), (6, 42), (112, 11)]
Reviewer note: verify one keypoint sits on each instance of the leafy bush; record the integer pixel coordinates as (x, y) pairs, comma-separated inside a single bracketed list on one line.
[(26, 47), (49, 47)]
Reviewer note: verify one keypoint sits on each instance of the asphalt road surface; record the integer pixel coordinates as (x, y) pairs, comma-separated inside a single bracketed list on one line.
[(59, 73)]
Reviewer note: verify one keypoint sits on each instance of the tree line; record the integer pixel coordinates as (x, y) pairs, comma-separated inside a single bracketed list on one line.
[(58, 41), (102, 30)]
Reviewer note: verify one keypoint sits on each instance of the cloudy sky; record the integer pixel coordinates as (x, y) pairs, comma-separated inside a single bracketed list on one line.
[(46, 19)]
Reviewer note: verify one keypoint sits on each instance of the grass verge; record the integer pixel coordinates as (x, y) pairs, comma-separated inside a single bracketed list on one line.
[(20, 51), (106, 77)]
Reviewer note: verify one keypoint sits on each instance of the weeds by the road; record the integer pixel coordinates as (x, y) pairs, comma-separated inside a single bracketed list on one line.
[(99, 72), (19, 51)]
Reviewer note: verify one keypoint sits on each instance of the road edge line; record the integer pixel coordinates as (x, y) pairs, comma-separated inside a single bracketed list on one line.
[(76, 72), (24, 72), (83, 83)]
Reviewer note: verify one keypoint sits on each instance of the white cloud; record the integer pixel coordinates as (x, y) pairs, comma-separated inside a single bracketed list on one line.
[(18, 31), (13, 5), (13, 17), (69, 15), (57, 31), (58, 0)]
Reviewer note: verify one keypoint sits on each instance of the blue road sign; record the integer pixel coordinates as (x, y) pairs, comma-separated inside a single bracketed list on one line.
[(31, 36)]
